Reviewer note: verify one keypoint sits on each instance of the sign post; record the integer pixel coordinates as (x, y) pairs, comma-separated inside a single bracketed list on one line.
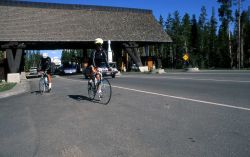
[(185, 57)]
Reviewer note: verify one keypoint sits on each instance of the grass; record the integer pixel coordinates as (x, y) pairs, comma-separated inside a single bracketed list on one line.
[(6, 86)]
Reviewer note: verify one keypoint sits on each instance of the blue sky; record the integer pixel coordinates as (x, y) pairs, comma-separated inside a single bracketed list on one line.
[(163, 7), (159, 7)]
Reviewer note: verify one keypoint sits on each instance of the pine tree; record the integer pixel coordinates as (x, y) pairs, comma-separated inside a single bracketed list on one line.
[(186, 32), (177, 41), (225, 14), (66, 56), (169, 25), (245, 38), (194, 42), (202, 38), (168, 59), (161, 22), (32, 59), (212, 47), (240, 54)]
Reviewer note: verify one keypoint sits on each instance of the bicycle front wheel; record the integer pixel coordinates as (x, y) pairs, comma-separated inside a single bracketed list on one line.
[(91, 89), (42, 85), (106, 91)]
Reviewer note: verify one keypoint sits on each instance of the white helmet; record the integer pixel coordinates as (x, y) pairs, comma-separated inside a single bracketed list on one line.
[(99, 41), (45, 55)]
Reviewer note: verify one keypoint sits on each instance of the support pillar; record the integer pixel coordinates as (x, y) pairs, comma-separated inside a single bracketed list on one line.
[(14, 57), (14, 54)]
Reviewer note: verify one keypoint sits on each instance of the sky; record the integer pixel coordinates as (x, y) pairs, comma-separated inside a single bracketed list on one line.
[(159, 7)]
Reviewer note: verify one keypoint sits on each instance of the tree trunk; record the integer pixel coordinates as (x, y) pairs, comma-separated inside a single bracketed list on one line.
[(242, 53), (230, 49), (239, 36)]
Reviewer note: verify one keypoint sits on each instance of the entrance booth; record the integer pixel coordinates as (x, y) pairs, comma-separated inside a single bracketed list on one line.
[(48, 26)]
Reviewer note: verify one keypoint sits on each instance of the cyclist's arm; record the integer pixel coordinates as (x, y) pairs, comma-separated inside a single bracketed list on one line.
[(93, 58)]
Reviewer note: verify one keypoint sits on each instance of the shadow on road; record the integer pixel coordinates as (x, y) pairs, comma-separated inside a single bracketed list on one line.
[(40, 93), (36, 92), (79, 97)]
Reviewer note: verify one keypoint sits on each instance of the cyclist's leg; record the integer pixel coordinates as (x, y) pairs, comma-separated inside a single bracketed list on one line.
[(99, 86), (50, 83), (92, 72), (98, 77)]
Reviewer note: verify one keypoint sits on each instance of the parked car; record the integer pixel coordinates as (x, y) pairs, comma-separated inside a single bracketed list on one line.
[(114, 70), (105, 71), (69, 69), (33, 72), (134, 67)]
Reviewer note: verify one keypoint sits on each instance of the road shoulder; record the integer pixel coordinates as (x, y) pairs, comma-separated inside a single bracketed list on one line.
[(19, 88)]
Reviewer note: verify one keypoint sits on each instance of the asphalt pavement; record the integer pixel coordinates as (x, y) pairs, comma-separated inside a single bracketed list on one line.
[(175, 114)]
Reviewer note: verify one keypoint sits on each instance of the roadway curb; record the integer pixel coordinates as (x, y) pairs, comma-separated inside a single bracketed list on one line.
[(19, 88)]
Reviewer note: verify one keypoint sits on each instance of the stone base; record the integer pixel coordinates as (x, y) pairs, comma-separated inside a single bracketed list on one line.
[(192, 69), (143, 69), (23, 76), (13, 77), (158, 71)]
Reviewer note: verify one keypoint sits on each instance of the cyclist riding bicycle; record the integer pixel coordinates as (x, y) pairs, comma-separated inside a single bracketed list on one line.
[(98, 57), (46, 66)]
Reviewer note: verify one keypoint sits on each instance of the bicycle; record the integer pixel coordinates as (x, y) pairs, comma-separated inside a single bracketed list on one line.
[(101, 88), (44, 83)]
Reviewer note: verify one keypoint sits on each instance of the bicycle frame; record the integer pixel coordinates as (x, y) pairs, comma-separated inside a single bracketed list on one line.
[(101, 87)]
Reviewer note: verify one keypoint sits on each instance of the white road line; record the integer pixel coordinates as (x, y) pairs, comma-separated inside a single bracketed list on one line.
[(182, 98), (209, 80), (171, 96), (201, 73), (189, 78)]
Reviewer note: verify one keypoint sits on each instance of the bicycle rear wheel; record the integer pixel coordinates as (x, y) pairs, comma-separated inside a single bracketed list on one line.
[(91, 89), (106, 91)]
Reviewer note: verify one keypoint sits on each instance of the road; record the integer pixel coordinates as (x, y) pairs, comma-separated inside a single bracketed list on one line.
[(173, 115)]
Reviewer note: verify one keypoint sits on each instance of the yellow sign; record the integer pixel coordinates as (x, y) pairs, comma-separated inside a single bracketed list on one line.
[(185, 57)]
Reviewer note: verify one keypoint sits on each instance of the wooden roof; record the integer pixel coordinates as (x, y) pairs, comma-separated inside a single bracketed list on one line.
[(33, 21)]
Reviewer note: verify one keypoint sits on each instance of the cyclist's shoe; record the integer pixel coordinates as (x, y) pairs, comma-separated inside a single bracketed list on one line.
[(99, 91), (100, 96), (49, 89), (90, 81), (90, 84)]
